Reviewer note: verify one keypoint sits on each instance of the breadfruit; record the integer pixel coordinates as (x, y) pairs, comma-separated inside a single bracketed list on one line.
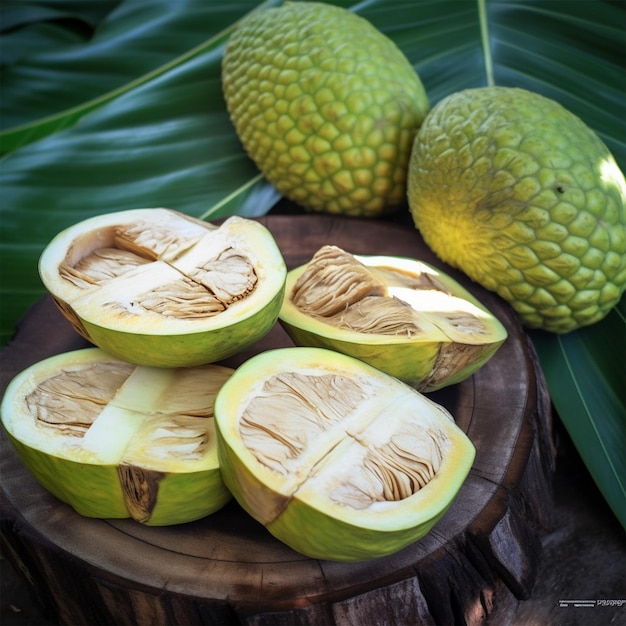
[(117, 440), (326, 105), (400, 315), (335, 458), (159, 288), (521, 195)]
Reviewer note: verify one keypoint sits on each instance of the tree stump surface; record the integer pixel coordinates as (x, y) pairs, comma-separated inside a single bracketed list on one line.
[(227, 569)]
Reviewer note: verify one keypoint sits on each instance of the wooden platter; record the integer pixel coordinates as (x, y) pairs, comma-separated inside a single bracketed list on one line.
[(227, 569)]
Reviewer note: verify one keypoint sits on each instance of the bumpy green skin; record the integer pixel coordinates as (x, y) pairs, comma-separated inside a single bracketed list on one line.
[(522, 196), (326, 106), (186, 350)]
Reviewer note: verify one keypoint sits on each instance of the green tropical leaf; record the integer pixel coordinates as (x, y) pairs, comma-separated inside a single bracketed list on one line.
[(115, 104), (585, 374)]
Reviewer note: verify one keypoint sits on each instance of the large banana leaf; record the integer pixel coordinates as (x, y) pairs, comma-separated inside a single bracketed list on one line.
[(115, 104)]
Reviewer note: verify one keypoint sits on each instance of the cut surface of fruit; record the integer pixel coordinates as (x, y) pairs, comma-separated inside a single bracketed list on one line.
[(156, 287), (337, 459), (399, 315), (107, 436)]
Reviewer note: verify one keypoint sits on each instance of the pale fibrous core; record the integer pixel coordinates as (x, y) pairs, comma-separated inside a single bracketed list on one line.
[(124, 256), (340, 290), (389, 470)]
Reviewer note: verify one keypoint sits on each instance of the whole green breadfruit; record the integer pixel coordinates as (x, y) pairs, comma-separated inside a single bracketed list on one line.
[(523, 197), (325, 105)]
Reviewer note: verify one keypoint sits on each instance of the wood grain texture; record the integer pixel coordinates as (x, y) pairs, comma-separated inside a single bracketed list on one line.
[(226, 569)]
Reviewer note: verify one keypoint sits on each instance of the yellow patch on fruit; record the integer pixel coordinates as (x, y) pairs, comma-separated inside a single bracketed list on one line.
[(523, 197)]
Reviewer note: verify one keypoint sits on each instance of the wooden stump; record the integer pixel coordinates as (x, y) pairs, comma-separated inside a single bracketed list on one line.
[(227, 569)]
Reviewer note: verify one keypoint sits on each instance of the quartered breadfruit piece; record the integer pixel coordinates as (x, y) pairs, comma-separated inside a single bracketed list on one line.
[(337, 459), (117, 440), (157, 287), (400, 315)]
